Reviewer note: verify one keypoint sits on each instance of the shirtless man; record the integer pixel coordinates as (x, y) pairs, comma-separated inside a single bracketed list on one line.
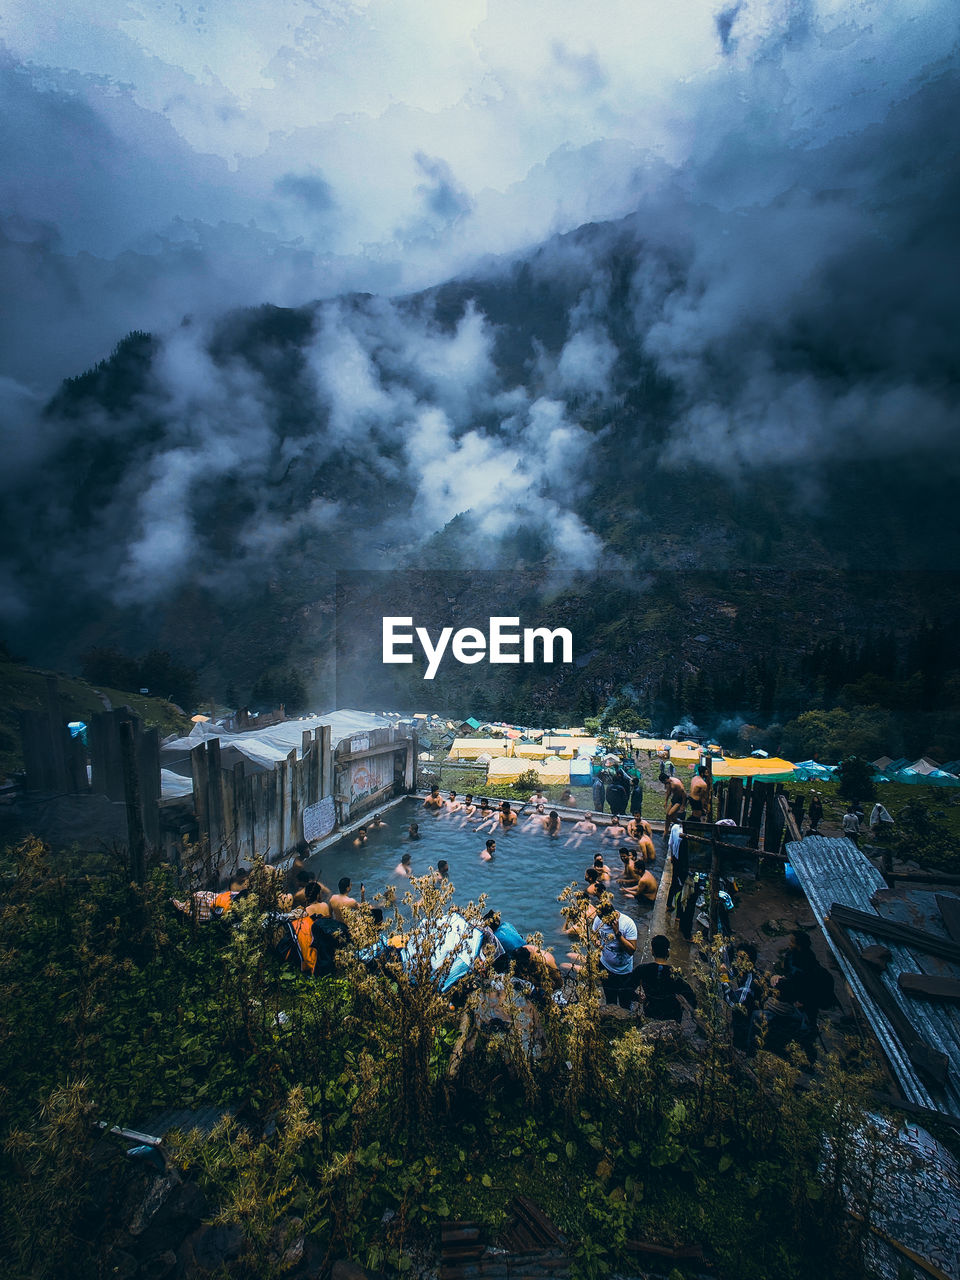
[(699, 796), (377, 823), (629, 875), (646, 849), (594, 884), (313, 906), (601, 866), (413, 831), (535, 965), (341, 900), (538, 798), (403, 867), (535, 821), (361, 837), (488, 851), (506, 817), (675, 802), (453, 804), (615, 833), (434, 800), (443, 871), (469, 808), (551, 823), (646, 887)]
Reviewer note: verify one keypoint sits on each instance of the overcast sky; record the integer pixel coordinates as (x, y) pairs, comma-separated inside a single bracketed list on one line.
[(162, 158)]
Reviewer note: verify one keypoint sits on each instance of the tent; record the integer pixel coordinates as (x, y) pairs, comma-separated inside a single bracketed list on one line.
[(685, 752), (772, 769), (530, 751), (552, 772), (267, 747), (807, 770), (580, 771), (472, 748), (930, 778)]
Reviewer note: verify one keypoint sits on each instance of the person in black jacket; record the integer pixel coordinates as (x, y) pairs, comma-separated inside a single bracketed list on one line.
[(662, 985)]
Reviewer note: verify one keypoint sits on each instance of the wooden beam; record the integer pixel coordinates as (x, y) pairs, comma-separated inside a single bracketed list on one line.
[(950, 913), (929, 986), (930, 1062), (892, 930)]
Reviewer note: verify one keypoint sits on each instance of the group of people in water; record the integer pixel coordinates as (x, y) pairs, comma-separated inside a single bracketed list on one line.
[(773, 1010)]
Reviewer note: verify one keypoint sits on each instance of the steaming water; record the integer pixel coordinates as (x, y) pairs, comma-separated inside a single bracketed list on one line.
[(522, 883)]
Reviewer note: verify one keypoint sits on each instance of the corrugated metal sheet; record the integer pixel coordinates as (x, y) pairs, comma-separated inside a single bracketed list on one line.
[(834, 870)]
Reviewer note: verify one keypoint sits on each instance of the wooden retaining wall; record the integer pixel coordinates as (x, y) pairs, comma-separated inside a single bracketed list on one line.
[(241, 815)]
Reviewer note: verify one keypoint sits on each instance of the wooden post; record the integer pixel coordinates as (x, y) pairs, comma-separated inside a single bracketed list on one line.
[(326, 763), (215, 799), (714, 882), (201, 799), (131, 787), (708, 775), (55, 734)]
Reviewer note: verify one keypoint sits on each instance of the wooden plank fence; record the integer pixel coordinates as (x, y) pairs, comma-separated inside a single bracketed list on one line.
[(242, 814)]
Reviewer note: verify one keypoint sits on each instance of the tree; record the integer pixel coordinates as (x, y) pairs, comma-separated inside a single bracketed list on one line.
[(855, 779)]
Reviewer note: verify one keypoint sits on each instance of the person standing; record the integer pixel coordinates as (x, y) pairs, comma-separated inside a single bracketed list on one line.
[(662, 985), (617, 938), (599, 793), (851, 825), (636, 795), (815, 815)]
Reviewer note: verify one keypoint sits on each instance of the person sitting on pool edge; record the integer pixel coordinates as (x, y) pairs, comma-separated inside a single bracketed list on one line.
[(341, 900), (645, 889)]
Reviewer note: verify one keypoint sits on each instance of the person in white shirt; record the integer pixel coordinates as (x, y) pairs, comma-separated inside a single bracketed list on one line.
[(616, 934), (851, 825)]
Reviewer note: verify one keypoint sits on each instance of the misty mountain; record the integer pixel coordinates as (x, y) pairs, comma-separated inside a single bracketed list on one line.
[(763, 393)]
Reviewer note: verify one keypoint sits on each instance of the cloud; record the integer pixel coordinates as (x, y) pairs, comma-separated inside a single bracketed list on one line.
[(772, 191)]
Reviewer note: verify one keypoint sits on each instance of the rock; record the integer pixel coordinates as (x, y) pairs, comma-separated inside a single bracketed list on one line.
[(208, 1248), (666, 1032), (122, 1265), (344, 1269), (158, 1192), (159, 1266)]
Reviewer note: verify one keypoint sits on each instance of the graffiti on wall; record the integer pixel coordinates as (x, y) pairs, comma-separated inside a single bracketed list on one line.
[(369, 776)]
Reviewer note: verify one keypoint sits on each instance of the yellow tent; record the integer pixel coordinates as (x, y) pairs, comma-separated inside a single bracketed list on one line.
[(530, 750), (551, 772), (685, 752), (750, 767), (470, 748)]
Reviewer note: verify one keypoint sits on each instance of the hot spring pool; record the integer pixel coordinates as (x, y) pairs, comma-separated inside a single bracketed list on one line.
[(522, 883)]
